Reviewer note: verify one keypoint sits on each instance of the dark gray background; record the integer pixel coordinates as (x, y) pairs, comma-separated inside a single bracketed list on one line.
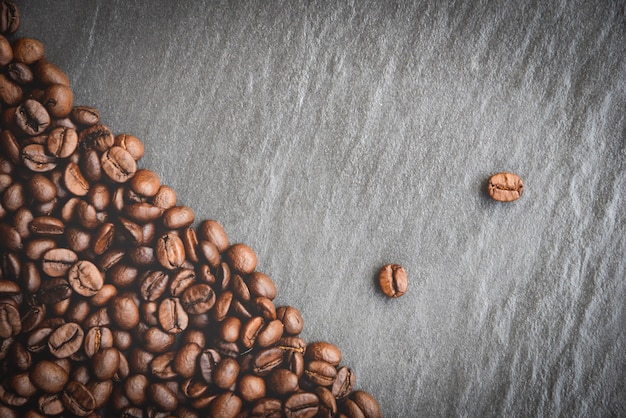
[(335, 137)]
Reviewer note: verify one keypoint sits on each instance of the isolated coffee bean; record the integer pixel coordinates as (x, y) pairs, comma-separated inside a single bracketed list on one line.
[(10, 17), (85, 115), (32, 117), (178, 217), (85, 278), (393, 280), (241, 258), (58, 100), (66, 340), (212, 231), (130, 143), (145, 182), (323, 351), (291, 319), (505, 187)]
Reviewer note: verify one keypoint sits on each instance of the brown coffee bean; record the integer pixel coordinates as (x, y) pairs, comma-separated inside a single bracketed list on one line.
[(225, 405), (96, 339), (267, 359), (226, 372), (178, 217), (291, 319), (56, 262), (28, 50), (130, 143), (327, 402), (349, 409), (62, 142), (153, 284), (118, 164), (172, 316), (66, 340), (505, 187), (11, 93), (267, 407), (367, 404), (41, 188), (320, 372), (101, 391), (344, 382), (11, 239), (162, 397), (105, 363), (10, 320), (170, 251), (85, 115), (49, 376), (135, 388), (124, 312), (77, 399), (302, 404), (58, 100), (14, 197), (251, 387), (270, 334), (85, 278), (10, 17), (206, 362), (158, 341), (323, 351), (21, 384), (241, 258), (212, 231), (186, 359), (181, 281), (6, 51), (162, 366), (198, 299), (31, 117), (393, 280), (145, 183), (282, 382), (74, 180), (34, 158)]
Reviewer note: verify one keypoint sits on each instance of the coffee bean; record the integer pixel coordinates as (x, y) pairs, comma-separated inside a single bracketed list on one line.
[(42, 188), (344, 382), (291, 319), (77, 399), (327, 402), (323, 351), (85, 278), (124, 312), (282, 382), (56, 262), (393, 280), (10, 17), (10, 320), (162, 397), (66, 340), (62, 142), (241, 258), (186, 359), (158, 341), (118, 164), (320, 372), (300, 405), (32, 117), (105, 363), (48, 376), (153, 285), (27, 50), (101, 391), (212, 231), (96, 339), (11, 93), (85, 115), (267, 359), (368, 405), (35, 158), (145, 182), (172, 316), (181, 281), (130, 143), (267, 407), (198, 299), (225, 405), (252, 388), (11, 240), (505, 187)]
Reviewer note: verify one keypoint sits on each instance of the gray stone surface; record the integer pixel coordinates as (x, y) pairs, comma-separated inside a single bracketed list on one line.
[(334, 137)]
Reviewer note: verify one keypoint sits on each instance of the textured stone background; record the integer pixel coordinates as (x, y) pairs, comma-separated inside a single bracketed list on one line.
[(334, 137)]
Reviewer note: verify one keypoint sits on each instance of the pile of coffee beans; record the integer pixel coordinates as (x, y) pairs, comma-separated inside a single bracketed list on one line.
[(114, 299)]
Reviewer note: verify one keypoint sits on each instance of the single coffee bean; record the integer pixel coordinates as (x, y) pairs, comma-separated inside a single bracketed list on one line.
[(145, 182), (282, 382), (10, 320), (251, 330), (14, 197), (41, 188), (11, 93), (32, 117), (50, 404), (96, 339), (20, 73), (181, 281), (10, 17), (158, 341), (56, 262), (267, 359), (66, 340), (85, 278), (101, 391), (58, 100), (240, 288), (393, 280), (323, 351), (349, 409), (54, 290), (178, 217), (291, 319), (49, 376), (21, 384), (74, 180), (170, 251), (225, 405), (302, 404), (230, 328), (207, 361), (212, 231), (162, 366), (210, 253), (327, 402), (198, 299), (85, 115), (367, 404), (118, 164), (11, 239), (130, 143), (27, 50), (172, 316), (6, 51), (35, 158), (103, 238), (241, 258), (77, 399), (153, 285), (270, 334), (505, 187), (162, 397), (105, 363), (124, 312), (344, 382), (252, 388), (62, 142), (186, 359)]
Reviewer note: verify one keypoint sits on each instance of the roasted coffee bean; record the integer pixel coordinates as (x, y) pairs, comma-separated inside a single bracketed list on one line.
[(320, 372), (27, 50), (10, 17), (250, 330), (349, 409), (10, 147), (292, 343), (11, 93), (49, 376), (21, 384), (178, 217), (78, 240), (62, 142), (162, 397), (344, 382), (145, 182), (367, 404), (10, 398), (162, 366), (300, 405), (103, 296), (251, 387), (393, 280), (101, 391), (267, 408), (505, 187), (207, 361), (32, 117), (210, 253), (85, 278), (103, 238), (56, 262), (153, 284), (77, 399), (85, 115), (170, 251), (14, 197), (291, 319), (11, 239), (97, 137), (35, 158), (6, 51), (158, 341), (225, 405), (58, 100), (198, 299), (267, 359), (105, 363), (10, 320), (241, 258), (323, 351), (212, 231), (124, 312), (20, 73), (118, 164), (270, 334), (66, 340), (42, 188), (186, 359), (172, 316), (96, 339), (181, 281), (130, 143), (282, 382)]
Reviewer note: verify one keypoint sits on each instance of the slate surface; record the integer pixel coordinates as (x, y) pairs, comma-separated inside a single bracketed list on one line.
[(334, 137)]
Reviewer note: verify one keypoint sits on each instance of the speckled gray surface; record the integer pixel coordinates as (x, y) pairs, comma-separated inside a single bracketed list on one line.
[(334, 137)]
